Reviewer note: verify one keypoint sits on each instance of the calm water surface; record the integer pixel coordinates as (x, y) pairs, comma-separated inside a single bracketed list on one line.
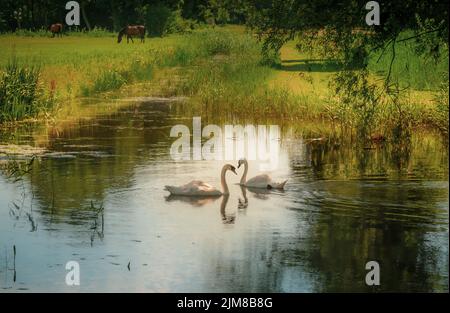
[(342, 207)]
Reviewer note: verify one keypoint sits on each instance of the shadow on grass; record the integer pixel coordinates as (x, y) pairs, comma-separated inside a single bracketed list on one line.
[(310, 65)]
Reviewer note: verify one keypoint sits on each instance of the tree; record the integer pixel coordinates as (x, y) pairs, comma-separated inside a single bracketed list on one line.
[(339, 31), (343, 23)]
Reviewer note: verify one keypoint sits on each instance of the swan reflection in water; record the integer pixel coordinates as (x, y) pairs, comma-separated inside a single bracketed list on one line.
[(243, 203), (259, 193), (194, 201), (226, 217)]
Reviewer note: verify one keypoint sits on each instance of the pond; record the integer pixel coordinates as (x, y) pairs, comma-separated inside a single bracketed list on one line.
[(97, 197)]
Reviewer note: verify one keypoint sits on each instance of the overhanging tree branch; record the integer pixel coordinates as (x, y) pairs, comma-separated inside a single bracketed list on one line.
[(421, 34), (388, 77)]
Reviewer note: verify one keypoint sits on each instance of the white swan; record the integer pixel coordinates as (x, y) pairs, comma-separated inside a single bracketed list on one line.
[(198, 188), (259, 181)]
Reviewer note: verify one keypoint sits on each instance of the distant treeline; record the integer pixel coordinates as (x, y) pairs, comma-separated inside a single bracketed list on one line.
[(159, 15)]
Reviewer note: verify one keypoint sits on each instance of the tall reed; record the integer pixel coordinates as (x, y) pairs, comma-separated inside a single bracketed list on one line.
[(21, 94)]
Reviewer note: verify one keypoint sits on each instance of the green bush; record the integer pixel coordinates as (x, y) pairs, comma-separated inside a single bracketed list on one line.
[(176, 24), (160, 20), (156, 19)]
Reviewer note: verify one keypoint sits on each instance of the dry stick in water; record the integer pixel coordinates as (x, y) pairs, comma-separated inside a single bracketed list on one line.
[(14, 249)]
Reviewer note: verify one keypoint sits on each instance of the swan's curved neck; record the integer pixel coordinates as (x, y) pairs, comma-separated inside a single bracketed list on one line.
[(244, 176), (223, 181)]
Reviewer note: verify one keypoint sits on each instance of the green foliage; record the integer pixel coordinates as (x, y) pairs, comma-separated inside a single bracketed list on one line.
[(277, 21), (95, 32), (271, 58), (161, 20), (400, 117), (21, 95), (432, 44), (411, 68), (3, 26), (409, 29), (215, 12), (176, 24), (156, 18), (115, 14), (441, 114), (358, 99)]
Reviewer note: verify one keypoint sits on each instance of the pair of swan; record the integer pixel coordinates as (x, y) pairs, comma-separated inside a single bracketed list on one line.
[(200, 188)]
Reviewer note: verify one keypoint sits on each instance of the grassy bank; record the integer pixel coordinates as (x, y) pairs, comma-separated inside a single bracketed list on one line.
[(222, 72)]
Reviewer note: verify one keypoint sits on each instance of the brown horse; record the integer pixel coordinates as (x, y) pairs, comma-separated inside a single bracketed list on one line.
[(56, 29), (130, 31)]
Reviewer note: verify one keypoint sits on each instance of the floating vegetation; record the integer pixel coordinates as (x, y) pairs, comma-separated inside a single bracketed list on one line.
[(22, 150), (11, 152), (152, 100), (59, 155)]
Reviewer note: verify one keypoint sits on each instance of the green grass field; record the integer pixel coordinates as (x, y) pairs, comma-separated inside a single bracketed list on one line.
[(74, 62), (220, 70)]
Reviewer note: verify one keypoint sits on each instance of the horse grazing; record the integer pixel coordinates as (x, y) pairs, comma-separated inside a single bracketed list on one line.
[(130, 31), (56, 29)]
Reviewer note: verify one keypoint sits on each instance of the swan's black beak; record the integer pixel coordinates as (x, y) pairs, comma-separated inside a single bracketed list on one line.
[(239, 165), (233, 169)]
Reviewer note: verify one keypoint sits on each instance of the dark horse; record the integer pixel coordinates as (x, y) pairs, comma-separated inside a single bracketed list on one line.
[(56, 29), (130, 31)]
